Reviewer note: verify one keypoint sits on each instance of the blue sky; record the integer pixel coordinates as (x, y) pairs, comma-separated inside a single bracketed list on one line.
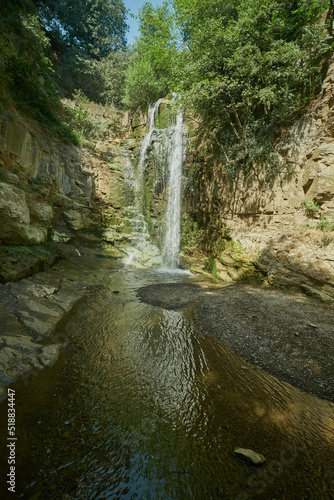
[(133, 6)]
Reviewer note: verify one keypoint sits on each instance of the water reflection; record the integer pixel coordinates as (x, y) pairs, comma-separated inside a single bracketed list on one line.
[(141, 406)]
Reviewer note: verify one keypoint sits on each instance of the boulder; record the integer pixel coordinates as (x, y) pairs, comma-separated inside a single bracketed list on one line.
[(15, 220)]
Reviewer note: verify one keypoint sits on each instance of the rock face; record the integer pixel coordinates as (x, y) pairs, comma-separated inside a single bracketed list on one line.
[(283, 216), (50, 190)]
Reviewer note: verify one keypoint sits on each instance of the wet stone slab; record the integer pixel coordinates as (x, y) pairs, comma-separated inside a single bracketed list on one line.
[(30, 311)]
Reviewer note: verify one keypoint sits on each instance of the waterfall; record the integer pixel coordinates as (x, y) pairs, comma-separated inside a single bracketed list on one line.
[(171, 244), (152, 112), (143, 253), (167, 147)]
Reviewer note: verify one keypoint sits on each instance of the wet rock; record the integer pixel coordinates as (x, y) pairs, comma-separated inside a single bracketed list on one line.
[(20, 354), (313, 292), (43, 290), (40, 327), (248, 456), (172, 296), (16, 224), (49, 355), (38, 305), (18, 262)]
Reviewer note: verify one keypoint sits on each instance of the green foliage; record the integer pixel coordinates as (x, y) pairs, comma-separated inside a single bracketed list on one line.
[(210, 266), (250, 66), (95, 27), (101, 80), (37, 181), (85, 124), (29, 31), (142, 86), (3, 175), (325, 225), (311, 207), (192, 235), (26, 73), (89, 42), (325, 240), (153, 57), (23, 250), (245, 68)]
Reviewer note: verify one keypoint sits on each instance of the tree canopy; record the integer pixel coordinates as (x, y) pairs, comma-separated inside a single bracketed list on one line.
[(54, 48), (242, 66), (97, 27)]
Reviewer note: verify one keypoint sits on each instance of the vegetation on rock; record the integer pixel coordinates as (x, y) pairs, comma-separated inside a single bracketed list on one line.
[(51, 49), (243, 67)]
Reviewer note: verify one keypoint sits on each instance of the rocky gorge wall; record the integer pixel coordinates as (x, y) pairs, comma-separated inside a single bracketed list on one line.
[(55, 192), (283, 217)]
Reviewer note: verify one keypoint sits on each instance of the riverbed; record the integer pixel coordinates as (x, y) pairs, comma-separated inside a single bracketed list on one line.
[(153, 391)]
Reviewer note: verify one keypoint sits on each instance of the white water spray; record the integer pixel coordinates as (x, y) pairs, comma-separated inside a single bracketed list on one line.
[(168, 148), (171, 244), (152, 112), (144, 253)]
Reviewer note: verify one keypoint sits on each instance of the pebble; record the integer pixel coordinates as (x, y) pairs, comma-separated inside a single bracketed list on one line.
[(249, 456)]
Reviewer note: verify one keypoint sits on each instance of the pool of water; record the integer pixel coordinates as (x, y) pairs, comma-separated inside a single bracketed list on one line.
[(141, 406)]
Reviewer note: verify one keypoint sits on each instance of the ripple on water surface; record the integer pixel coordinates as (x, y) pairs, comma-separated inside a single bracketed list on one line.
[(142, 406)]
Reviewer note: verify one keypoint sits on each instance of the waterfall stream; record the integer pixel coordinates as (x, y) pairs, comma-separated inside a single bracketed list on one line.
[(143, 253), (171, 244), (165, 148)]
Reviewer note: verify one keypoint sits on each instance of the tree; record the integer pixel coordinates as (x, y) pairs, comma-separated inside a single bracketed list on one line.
[(88, 38), (97, 27), (248, 66), (101, 80), (152, 63)]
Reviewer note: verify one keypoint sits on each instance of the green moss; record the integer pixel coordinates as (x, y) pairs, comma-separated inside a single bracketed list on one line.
[(3, 175), (25, 250), (325, 224), (210, 266), (311, 207)]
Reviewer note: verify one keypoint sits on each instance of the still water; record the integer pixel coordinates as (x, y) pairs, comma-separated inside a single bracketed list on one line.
[(141, 406)]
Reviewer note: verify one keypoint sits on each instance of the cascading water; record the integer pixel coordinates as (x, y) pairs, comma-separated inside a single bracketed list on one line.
[(166, 145), (171, 244), (152, 113), (143, 253)]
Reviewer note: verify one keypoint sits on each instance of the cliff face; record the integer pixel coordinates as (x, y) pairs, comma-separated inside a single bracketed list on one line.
[(282, 215), (53, 191)]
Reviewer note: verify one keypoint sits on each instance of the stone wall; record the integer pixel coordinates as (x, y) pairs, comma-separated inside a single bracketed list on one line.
[(280, 215)]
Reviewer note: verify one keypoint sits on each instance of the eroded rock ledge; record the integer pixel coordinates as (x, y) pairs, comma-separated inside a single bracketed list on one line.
[(31, 310)]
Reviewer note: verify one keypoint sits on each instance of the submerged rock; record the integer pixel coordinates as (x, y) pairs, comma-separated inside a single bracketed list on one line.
[(248, 456)]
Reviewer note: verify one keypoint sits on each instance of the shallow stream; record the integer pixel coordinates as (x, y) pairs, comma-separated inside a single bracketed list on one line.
[(142, 406)]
